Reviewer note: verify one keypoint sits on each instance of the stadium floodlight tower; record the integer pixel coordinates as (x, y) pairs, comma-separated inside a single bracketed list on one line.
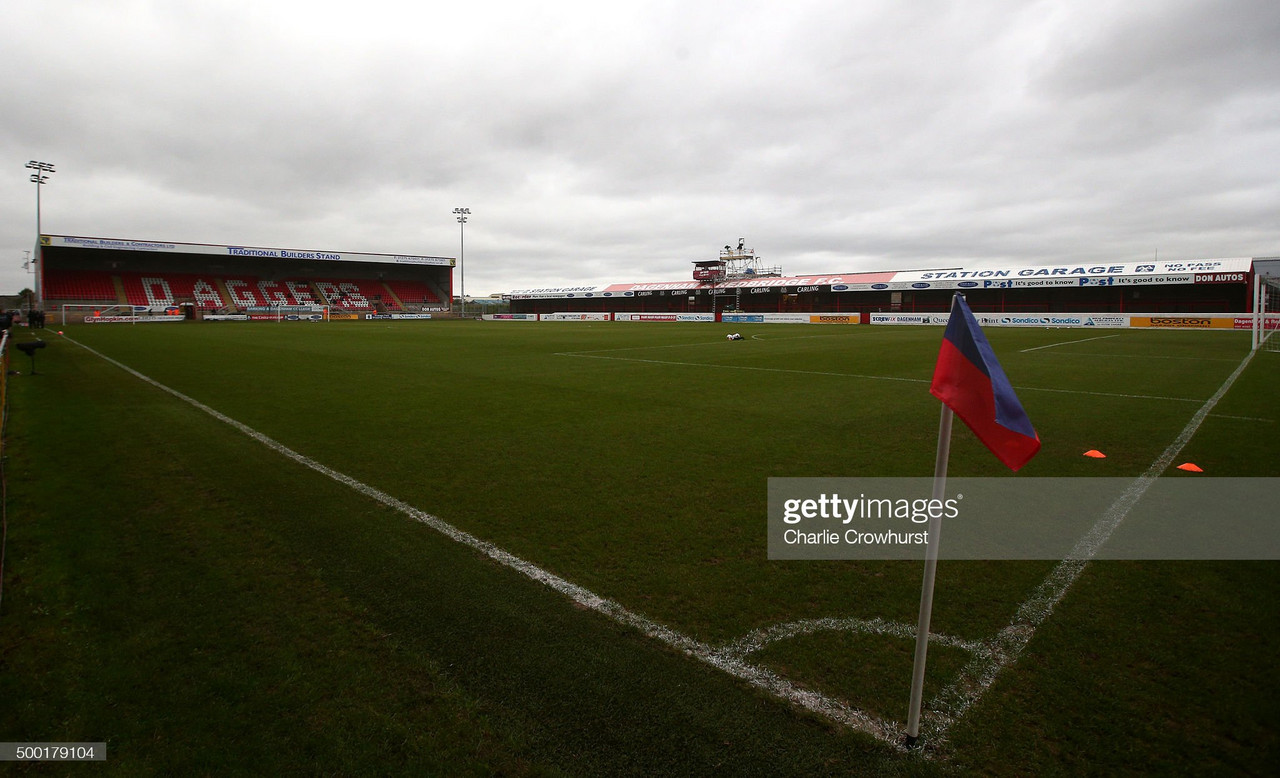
[(462, 214), (39, 177), (741, 263)]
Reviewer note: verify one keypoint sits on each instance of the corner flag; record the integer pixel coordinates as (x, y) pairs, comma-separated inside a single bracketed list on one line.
[(970, 383), (969, 380)]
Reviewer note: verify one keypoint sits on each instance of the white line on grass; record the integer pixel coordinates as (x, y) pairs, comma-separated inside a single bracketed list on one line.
[(742, 367), (590, 352), (635, 348), (1067, 343), (1109, 394), (757, 336), (1095, 355), (1002, 650), (727, 660), (585, 355), (761, 638), (1241, 418), (990, 657)]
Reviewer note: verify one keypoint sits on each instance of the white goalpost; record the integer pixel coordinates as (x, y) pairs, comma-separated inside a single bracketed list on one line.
[(131, 314), (96, 311), (1266, 313)]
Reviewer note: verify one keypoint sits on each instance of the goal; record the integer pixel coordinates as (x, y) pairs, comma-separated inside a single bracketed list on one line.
[(113, 313), (1266, 313)]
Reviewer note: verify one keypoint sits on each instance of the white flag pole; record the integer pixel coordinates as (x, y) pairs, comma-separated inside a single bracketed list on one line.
[(930, 571)]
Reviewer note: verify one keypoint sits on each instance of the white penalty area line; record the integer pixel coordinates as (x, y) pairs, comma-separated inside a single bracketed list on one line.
[(730, 659), (1067, 343), (591, 355), (1241, 418), (1119, 356), (740, 367), (590, 352)]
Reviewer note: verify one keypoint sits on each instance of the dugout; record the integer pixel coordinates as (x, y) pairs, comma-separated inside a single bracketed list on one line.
[(208, 278)]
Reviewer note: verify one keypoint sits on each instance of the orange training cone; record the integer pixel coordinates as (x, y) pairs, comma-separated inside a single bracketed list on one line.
[(1095, 454), (1190, 467)]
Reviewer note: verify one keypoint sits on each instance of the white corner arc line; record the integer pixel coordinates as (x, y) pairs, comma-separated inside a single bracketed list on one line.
[(725, 661), (758, 640)]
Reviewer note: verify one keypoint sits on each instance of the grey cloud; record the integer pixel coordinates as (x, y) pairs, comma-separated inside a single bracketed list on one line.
[(620, 141)]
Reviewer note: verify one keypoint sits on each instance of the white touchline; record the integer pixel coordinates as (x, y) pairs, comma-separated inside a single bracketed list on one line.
[(1068, 342), (990, 657)]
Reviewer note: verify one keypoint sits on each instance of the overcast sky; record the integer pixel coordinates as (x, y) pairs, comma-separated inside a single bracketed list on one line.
[(612, 141)]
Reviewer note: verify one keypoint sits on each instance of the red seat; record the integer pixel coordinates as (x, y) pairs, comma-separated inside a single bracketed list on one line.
[(355, 294), (85, 285), (414, 292), (165, 289)]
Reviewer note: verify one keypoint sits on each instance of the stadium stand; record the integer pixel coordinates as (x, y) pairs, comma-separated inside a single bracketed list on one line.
[(287, 292), (156, 289), (89, 272), (413, 292), (356, 294), (244, 292), (209, 292), (88, 286), (301, 291)]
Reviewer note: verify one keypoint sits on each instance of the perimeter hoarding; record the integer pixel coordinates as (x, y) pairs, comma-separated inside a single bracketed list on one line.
[(1086, 320)]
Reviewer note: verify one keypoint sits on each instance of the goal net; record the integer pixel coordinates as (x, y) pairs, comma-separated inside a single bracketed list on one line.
[(1266, 313)]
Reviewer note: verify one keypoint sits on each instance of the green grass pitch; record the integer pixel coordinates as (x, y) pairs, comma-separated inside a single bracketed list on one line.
[(204, 604)]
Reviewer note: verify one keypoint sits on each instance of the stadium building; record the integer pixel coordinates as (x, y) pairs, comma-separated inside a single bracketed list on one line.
[(103, 279), (737, 288), (106, 279)]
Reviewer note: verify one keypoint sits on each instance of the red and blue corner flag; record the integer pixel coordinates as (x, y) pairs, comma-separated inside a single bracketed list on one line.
[(969, 380)]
